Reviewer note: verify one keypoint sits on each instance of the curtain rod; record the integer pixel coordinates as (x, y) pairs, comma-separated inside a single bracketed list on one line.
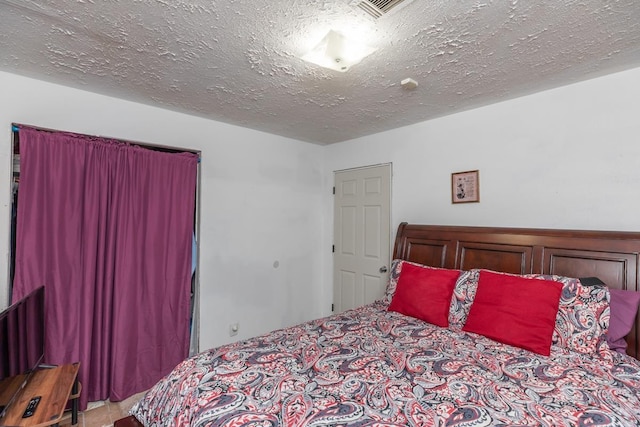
[(15, 128)]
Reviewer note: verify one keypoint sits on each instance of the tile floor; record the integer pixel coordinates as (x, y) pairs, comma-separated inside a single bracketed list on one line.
[(102, 414)]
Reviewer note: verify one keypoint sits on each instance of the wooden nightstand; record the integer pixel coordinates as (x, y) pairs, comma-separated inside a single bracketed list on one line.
[(56, 386)]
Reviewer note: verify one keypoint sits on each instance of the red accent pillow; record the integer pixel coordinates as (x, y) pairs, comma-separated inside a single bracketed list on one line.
[(425, 293), (515, 310)]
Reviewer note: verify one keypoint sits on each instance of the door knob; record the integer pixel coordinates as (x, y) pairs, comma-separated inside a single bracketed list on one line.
[(383, 269)]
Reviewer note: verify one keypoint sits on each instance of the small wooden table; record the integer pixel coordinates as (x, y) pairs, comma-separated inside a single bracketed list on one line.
[(56, 386)]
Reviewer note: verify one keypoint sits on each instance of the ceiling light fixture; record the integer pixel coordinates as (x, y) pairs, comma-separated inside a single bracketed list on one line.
[(338, 53)]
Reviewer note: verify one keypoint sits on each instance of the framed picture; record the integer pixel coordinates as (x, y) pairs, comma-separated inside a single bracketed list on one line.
[(465, 187)]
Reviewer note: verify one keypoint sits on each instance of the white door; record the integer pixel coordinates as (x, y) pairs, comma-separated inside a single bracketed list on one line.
[(361, 236)]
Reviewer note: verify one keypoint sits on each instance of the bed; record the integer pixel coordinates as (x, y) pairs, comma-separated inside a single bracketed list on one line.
[(378, 365)]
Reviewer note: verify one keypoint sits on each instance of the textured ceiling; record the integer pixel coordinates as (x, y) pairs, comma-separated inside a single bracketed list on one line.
[(238, 61)]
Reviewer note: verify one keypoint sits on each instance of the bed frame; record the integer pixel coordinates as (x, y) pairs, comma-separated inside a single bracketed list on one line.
[(609, 255)]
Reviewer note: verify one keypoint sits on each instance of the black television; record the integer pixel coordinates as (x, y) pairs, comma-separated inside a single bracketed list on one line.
[(22, 338)]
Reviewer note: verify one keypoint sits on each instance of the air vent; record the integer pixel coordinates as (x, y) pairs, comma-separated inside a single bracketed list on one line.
[(377, 8)]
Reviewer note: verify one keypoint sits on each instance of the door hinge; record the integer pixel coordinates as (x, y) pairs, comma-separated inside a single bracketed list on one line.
[(334, 190), (332, 307)]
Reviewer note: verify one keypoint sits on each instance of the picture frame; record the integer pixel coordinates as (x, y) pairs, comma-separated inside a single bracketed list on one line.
[(465, 187)]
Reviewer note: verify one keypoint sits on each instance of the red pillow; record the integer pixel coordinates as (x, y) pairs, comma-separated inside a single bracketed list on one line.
[(425, 293), (515, 310)]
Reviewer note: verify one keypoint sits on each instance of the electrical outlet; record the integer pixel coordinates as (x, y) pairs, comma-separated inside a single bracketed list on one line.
[(233, 329)]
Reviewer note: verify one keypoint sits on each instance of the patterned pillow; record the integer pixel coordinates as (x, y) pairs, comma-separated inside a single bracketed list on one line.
[(583, 316), (394, 275), (463, 294)]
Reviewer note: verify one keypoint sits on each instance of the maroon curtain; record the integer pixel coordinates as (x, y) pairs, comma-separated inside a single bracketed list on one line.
[(107, 228)]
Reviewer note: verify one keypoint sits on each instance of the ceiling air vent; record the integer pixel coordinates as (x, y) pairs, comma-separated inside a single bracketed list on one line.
[(377, 8)]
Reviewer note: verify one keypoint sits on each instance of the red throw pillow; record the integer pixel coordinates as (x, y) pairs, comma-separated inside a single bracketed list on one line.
[(515, 310), (425, 293)]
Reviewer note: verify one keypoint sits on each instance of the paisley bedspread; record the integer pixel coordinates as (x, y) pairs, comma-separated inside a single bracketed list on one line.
[(371, 367)]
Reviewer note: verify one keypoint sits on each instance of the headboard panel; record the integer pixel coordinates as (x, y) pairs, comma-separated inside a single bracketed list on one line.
[(612, 256)]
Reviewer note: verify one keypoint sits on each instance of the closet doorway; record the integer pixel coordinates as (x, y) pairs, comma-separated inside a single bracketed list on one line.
[(61, 174)]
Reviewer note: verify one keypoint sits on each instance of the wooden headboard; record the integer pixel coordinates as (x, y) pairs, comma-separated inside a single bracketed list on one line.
[(609, 255)]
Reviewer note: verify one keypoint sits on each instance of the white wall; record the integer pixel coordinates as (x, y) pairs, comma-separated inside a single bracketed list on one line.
[(564, 158), (260, 202)]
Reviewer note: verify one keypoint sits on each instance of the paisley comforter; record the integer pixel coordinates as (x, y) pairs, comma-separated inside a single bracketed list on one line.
[(371, 367)]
